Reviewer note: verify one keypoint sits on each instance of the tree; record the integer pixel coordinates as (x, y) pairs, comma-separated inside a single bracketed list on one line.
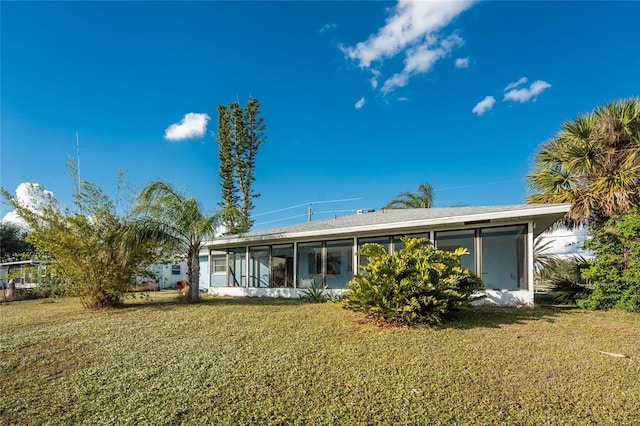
[(417, 284), (542, 258), (240, 134), (421, 198), (593, 163), (90, 248), (230, 200), (170, 217), (615, 270), (13, 243)]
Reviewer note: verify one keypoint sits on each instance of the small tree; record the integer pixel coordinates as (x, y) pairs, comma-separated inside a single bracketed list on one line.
[(417, 284), (90, 247), (615, 271), (175, 220)]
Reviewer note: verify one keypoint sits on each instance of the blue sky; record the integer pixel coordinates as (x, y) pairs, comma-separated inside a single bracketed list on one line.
[(362, 100)]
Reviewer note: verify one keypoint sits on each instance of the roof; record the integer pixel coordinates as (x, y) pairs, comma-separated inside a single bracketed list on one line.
[(405, 220)]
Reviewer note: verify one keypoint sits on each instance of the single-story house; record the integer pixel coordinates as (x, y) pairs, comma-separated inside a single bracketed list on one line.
[(165, 275), (283, 262), (25, 273)]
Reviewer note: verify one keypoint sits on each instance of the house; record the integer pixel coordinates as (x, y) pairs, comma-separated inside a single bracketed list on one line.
[(165, 275), (283, 262), (24, 273)]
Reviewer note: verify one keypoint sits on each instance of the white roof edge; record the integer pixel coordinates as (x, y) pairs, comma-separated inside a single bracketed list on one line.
[(524, 214)]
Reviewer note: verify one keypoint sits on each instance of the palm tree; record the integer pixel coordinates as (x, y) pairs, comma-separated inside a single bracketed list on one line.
[(593, 163), (170, 216), (421, 198), (542, 258)]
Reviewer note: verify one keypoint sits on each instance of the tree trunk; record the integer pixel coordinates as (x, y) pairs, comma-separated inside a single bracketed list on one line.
[(194, 276)]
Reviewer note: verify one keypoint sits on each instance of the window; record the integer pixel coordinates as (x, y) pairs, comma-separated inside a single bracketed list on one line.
[(258, 266), (175, 270), (503, 254), (237, 267), (451, 240), (218, 264), (218, 269), (383, 241), (399, 245), (282, 266), (310, 263), (339, 263)]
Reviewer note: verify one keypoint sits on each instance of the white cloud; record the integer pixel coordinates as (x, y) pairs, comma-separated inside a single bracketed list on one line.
[(374, 79), (419, 60), (566, 242), (484, 105), (515, 84), (462, 63), (328, 27), (29, 195), (360, 103), (396, 80), (526, 94), (412, 27), (193, 125)]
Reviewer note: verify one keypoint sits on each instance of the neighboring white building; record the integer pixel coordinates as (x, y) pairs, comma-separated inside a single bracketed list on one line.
[(282, 262), (167, 275), (25, 273)]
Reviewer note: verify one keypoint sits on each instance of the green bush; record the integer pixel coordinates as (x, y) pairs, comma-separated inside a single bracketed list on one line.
[(417, 284), (315, 294), (615, 271)]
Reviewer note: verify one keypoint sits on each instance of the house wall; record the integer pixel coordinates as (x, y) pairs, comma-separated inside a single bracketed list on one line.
[(168, 275), (203, 282), (501, 255)]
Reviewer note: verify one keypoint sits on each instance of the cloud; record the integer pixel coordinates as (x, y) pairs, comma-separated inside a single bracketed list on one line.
[(484, 105), (525, 94), (462, 63), (193, 125), (29, 195), (328, 27), (515, 84), (374, 79), (413, 29), (420, 60), (360, 103), (396, 80), (565, 242)]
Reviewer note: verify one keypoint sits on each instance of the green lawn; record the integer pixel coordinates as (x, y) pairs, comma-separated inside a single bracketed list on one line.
[(266, 361)]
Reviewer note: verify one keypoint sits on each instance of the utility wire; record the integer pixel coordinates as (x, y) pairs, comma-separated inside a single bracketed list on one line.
[(306, 204)]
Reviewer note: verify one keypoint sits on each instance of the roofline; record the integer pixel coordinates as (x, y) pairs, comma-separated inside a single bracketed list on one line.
[(522, 214)]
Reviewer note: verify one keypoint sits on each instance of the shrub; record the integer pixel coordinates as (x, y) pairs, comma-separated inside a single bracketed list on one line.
[(417, 284), (318, 294), (615, 271), (566, 280)]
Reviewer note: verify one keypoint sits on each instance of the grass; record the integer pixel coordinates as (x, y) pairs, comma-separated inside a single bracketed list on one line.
[(268, 361)]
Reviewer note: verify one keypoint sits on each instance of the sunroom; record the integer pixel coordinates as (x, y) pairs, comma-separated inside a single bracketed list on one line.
[(286, 261)]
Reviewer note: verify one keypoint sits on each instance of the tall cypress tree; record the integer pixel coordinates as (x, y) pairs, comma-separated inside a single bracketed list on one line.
[(226, 169), (254, 128), (240, 134)]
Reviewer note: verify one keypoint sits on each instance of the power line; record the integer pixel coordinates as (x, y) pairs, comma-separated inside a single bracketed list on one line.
[(306, 204), (280, 220), (476, 185)]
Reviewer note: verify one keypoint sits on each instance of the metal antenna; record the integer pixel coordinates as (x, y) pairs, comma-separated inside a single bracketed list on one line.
[(78, 155)]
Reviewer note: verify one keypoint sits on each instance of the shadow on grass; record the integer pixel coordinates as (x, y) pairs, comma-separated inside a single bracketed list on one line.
[(468, 318), (169, 298), (497, 316)]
